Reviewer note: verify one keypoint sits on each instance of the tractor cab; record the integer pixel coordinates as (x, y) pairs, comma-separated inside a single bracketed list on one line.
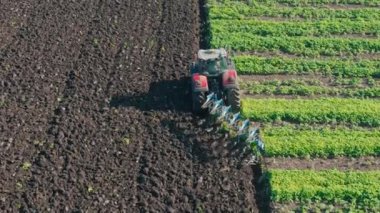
[(211, 62)]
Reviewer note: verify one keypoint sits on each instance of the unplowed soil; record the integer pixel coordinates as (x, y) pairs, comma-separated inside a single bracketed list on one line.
[(367, 163), (95, 112)]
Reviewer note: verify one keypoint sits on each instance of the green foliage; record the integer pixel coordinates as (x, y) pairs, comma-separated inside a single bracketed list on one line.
[(303, 88), (90, 189), (95, 41), (331, 186), (292, 141), (304, 46), (26, 166), (246, 64), (125, 140), (325, 110), (240, 10), (19, 186), (296, 28)]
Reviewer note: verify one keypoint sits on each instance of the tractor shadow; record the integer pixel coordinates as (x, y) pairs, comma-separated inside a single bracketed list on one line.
[(165, 95), (207, 141)]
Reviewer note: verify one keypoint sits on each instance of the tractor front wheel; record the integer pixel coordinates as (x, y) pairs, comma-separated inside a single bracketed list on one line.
[(233, 99), (199, 99)]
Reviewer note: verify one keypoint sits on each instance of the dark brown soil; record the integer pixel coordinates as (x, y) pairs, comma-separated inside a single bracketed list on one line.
[(348, 6), (12, 17), (319, 80), (341, 163), (95, 113), (357, 57), (324, 80)]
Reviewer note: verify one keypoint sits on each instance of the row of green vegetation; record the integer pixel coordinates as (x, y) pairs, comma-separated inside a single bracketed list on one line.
[(306, 46), (307, 141), (372, 3), (358, 189), (297, 28), (241, 10), (325, 110), (305, 88), (250, 64)]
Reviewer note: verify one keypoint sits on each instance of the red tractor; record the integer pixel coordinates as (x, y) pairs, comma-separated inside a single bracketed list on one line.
[(214, 72)]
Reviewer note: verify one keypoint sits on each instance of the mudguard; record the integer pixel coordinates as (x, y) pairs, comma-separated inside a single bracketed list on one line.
[(230, 79), (199, 83)]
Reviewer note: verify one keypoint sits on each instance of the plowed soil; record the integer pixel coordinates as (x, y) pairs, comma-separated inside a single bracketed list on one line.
[(95, 113)]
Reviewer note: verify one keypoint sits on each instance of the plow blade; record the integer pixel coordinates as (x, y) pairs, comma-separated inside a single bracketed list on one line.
[(244, 126), (216, 107), (224, 113), (209, 100), (245, 129), (233, 119)]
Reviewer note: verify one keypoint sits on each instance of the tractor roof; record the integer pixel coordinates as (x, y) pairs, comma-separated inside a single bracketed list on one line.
[(211, 54)]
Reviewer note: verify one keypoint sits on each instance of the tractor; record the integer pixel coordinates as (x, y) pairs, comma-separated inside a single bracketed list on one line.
[(214, 72)]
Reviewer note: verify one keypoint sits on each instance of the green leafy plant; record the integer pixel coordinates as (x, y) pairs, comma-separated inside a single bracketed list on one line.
[(240, 10), (303, 46), (292, 141), (324, 110), (327, 28), (26, 166), (303, 88), (125, 140), (249, 64)]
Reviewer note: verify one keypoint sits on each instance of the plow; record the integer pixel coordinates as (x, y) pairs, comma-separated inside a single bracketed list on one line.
[(215, 92)]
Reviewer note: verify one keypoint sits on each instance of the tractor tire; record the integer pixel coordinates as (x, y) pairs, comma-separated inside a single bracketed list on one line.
[(233, 99), (198, 99)]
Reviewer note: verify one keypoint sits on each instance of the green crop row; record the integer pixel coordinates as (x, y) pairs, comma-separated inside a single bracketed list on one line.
[(291, 141), (296, 28), (295, 45), (364, 112), (238, 10), (302, 89), (249, 64), (372, 3), (361, 189)]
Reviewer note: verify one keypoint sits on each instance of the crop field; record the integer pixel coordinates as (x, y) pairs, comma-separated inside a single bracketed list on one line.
[(310, 75), (349, 189)]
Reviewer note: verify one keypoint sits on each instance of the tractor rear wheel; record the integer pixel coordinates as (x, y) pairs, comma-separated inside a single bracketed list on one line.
[(199, 99), (233, 99)]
